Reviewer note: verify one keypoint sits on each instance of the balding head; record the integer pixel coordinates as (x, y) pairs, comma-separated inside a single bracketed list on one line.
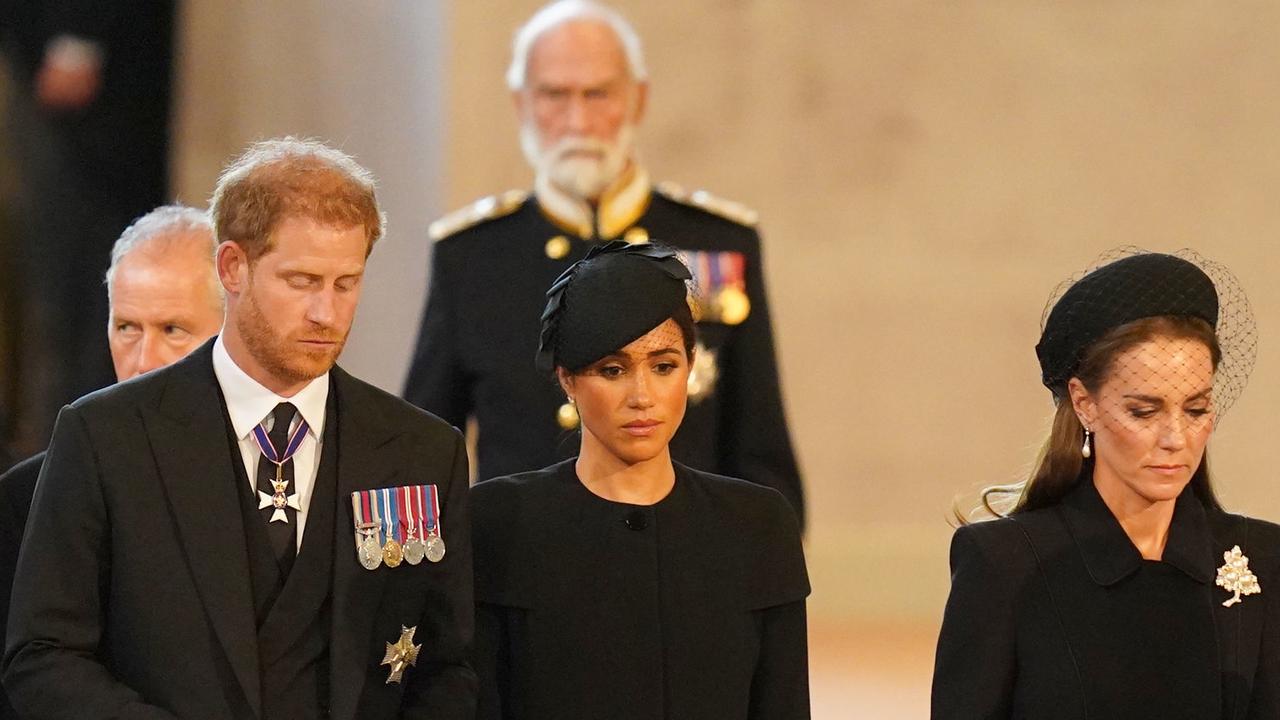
[(164, 291)]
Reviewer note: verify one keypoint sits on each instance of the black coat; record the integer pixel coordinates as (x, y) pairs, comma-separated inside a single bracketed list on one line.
[(133, 596), (480, 330), (1054, 614), (16, 488), (689, 608)]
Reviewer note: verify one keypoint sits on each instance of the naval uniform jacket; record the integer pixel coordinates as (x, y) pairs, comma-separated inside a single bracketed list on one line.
[(1054, 614), (480, 328), (133, 596), (691, 608)]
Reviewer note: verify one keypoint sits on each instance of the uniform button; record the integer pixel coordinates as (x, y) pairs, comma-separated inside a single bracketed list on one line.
[(637, 520), (557, 247)]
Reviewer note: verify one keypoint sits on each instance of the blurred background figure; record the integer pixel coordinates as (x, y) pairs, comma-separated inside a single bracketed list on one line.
[(86, 126), (579, 84), (165, 300)]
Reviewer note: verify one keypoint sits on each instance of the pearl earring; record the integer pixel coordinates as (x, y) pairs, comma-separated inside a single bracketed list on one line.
[(1086, 450)]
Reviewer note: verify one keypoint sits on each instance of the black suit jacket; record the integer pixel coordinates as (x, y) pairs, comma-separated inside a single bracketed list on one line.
[(16, 488), (1054, 614), (479, 335), (133, 596)]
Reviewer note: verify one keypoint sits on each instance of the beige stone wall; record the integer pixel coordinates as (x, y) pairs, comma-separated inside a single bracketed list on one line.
[(926, 173), (365, 76)]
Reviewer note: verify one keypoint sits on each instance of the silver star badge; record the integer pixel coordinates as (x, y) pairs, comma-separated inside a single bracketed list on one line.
[(1235, 576), (401, 654)]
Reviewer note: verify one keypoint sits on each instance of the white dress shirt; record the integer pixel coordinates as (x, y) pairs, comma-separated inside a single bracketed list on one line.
[(249, 403)]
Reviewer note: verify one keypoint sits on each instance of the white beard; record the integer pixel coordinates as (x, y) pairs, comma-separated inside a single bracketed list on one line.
[(565, 166)]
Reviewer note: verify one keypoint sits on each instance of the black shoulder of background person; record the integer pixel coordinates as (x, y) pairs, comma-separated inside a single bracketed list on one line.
[(16, 489)]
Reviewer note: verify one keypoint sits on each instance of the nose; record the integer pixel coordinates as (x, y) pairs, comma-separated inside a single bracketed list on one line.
[(1173, 434), (639, 397), (578, 117), (320, 310), (152, 353)]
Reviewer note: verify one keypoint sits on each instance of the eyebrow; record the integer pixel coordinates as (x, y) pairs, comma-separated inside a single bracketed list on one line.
[(651, 353), (1157, 400)]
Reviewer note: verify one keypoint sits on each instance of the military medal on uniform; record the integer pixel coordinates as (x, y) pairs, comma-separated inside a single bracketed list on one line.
[(279, 499), (414, 547), (435, 537), (397, 524), (720, 280), (392, 550), (368, 529), (401, 654)]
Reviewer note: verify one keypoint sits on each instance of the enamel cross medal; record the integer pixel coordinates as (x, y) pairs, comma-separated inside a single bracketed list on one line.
[(279, 499)]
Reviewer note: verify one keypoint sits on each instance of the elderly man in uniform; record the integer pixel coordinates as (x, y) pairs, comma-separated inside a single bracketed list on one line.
[(252, 532), (579, 83), (165, 301)]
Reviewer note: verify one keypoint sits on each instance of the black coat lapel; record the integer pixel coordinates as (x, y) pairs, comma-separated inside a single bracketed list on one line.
[(367, 458), (188, 436), (1239, 626)]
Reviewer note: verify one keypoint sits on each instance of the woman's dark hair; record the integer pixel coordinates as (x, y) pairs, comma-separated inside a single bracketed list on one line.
[(1060, 464)]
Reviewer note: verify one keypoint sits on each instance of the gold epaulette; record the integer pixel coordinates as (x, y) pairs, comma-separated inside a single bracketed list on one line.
[(487, 208), (727, 209)]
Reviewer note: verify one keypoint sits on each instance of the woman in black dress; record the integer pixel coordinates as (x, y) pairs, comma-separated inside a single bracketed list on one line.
[(1118, 587), (619, 584)]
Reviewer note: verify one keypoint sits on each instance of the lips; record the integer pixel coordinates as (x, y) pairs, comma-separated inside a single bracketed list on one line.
[(641, 428)]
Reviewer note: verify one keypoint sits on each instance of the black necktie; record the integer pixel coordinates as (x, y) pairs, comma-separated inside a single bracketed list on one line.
[(283, 535)]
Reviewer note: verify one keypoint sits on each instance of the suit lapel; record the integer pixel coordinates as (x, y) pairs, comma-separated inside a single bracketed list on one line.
[(188, 437), (366, 459)]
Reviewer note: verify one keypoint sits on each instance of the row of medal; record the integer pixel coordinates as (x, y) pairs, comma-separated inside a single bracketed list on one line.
[(397, 524), (720, 285)]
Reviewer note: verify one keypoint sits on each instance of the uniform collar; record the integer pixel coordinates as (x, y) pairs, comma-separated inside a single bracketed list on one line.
[(621, 205), (1108, 553), (248, 402)]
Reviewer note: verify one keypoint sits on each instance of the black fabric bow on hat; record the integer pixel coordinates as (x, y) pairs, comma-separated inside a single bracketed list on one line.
[(615, 294)]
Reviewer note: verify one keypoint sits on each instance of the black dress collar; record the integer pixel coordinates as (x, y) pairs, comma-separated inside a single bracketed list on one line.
[(1110, 556)]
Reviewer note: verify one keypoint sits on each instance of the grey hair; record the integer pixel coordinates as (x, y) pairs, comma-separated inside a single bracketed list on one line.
[(560, 12), (159, 230)]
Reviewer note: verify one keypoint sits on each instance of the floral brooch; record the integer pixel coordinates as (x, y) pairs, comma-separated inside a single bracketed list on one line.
[(1235, 576)]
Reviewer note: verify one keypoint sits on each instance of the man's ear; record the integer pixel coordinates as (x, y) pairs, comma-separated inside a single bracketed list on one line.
[(642, 101), (233, 267)]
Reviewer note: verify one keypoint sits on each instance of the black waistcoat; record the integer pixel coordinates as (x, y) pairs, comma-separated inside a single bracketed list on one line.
[(293, 614)]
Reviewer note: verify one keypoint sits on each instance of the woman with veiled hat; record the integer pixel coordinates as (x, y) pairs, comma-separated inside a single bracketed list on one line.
[(1117, 586), (619, 584)]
